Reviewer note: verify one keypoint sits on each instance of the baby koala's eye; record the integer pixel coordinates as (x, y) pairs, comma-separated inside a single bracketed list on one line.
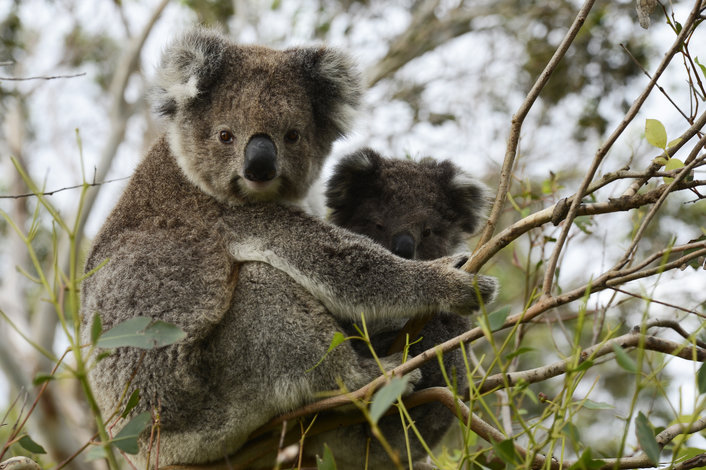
[(292, 136), (226, 137), (426, 232), (379, 226)]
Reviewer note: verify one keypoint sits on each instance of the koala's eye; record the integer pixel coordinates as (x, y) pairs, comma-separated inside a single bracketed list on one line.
[(426, 232), (226, 137), (292, 136), (379, 226)]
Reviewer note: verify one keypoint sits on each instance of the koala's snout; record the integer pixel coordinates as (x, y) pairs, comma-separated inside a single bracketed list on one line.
[(403, 245), (260, 159)]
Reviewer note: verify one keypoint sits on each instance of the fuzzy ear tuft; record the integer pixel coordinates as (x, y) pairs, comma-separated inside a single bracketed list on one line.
[(468, 197), (350, 176), (188, 66), (333, 83)]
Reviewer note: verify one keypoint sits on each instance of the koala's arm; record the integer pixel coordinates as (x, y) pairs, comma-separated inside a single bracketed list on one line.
[(186, 279), (349, 273)]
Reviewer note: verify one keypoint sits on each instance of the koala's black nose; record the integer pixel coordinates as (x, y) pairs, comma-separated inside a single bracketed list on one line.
[(260, 159), (403, 245)]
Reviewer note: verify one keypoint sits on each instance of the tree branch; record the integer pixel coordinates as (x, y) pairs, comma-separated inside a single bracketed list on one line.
[(519, 117), (603, 150)]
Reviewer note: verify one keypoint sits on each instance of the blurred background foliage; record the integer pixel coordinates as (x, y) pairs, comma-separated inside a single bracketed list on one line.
[(445, 78)]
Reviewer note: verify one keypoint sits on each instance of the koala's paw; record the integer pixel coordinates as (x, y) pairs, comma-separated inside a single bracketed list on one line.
[(467, 291)]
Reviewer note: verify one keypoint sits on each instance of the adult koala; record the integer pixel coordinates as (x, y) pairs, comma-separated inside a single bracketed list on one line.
[(206, 236), (417, 210)]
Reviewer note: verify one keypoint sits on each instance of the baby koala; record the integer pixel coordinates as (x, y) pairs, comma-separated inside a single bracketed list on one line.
[(422, 211)]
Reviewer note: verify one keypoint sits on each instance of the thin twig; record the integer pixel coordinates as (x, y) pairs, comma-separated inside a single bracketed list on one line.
[(53, 77), (555, 369), (519, 117), (655, 301), (51, 193), (603, 150), (647, 74)]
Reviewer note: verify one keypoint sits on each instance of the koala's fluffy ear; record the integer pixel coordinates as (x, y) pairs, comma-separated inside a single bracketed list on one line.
[(333, 84), (351, 175), (468, 198), (188, 67)]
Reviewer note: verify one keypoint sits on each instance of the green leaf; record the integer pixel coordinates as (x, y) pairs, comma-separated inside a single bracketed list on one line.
[(583, 222), (131, 403), (141, 332), (586, 462), (498, 317), (386, 396), (28, 444), (40, 378), (595, 405), (655, 133), (96, 328), (126, 440), (624, 360), (326, 463), (703, 68), (506, 451), (572, 432), (518, 352), (674, 142), (338, 338), (95, 453), (164, 334), (585, 365), (646, 438), (701, 378), (672, 164)]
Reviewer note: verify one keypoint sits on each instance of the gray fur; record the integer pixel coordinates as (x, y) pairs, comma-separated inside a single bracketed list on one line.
[(438, 205), (257, 285)]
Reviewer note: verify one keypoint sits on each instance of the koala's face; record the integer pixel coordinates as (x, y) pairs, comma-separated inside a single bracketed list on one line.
[(418, 210), (251, 123)]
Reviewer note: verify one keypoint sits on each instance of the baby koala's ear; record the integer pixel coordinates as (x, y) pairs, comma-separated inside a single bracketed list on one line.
[(351, 179), (467, 197), (333, 83), (189, 66)]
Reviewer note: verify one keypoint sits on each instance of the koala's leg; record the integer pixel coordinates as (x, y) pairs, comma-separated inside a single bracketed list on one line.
[(350, 444), (273, 339)]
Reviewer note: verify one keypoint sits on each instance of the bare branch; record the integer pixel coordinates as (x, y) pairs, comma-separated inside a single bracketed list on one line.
[(54, 77), (51, 193), (603, 150), (519, 117), (629, 340)]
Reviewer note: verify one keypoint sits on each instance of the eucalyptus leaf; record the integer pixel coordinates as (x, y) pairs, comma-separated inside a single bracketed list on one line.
[(131, 403), (141, 332), (646, 438), (672, 164), (28, 444), (126, 440), (95, 453), (624, 360), (506, 451), (596, 405), (498, 317), (327, 462), (655, 133), (586, 462), (386, 396), (96, 328), (701, 378)]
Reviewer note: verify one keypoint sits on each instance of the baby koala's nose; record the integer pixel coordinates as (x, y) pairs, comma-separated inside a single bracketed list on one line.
[(260, 159), (403, 245)]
